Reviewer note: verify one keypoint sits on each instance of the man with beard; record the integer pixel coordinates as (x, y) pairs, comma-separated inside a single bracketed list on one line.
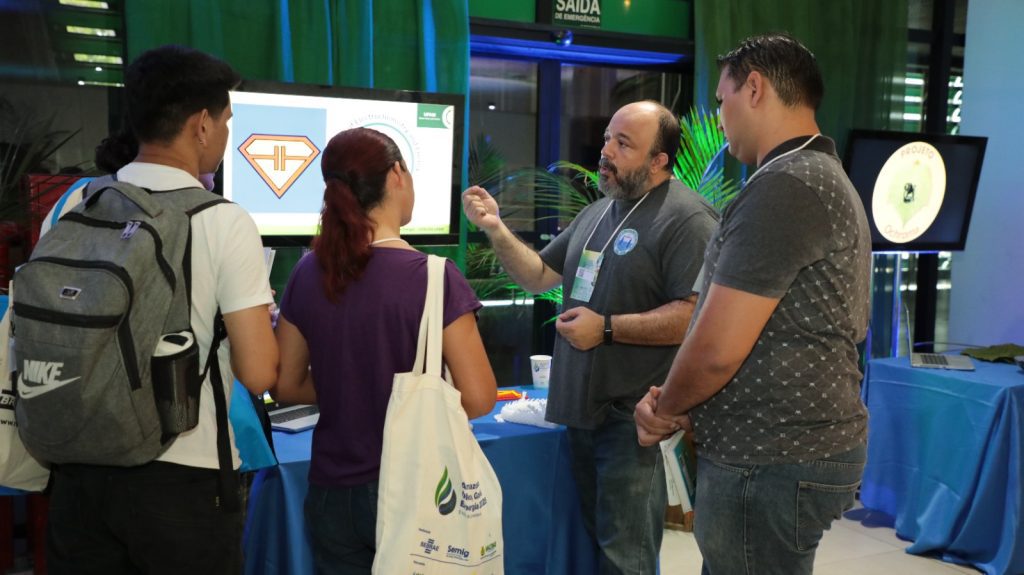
[(627, 264)]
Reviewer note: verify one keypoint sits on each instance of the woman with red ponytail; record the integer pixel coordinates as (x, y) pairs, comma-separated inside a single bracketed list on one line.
[(349, 321)]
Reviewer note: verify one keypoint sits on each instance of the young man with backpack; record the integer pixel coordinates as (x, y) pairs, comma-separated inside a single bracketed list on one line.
[(177, 511)]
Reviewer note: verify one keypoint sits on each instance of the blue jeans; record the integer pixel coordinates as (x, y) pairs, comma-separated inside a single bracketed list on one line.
[(768, 519), (622, 492), (342, 525)]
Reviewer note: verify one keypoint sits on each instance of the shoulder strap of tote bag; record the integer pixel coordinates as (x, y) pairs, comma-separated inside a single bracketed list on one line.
[(428, 345)]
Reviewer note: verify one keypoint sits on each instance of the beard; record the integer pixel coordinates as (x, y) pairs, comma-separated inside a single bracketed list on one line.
[(628, 185)]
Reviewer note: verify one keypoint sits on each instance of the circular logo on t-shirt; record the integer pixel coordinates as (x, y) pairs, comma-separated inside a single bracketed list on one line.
[(909, 192), (626, 241)]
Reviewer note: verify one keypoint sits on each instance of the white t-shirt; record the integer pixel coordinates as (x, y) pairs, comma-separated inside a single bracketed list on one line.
[(228, 269)]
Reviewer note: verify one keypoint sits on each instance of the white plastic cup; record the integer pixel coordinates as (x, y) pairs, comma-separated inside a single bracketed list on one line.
[(540, 367)]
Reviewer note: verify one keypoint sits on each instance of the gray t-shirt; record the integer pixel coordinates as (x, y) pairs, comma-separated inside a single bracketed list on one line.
[(653, 259), (797, 232)]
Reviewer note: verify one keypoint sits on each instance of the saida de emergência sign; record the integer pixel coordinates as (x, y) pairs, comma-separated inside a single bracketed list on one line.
[(576, 13)]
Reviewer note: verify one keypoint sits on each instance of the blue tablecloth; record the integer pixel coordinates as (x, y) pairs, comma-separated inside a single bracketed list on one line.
[(542, 524), (945, 458)]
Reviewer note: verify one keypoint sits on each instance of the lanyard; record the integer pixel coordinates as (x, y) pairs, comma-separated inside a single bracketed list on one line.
[(617, 228), (779, 157)]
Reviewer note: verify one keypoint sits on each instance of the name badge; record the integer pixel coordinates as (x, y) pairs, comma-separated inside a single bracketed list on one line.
[(586, 275)]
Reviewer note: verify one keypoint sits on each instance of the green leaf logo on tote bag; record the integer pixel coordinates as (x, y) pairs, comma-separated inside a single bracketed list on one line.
[(444, 495)]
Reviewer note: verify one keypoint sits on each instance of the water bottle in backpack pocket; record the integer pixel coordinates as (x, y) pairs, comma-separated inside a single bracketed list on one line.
[(177, 382)]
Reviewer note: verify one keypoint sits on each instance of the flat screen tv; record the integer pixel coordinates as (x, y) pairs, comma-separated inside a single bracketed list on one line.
[(918, 189), (278, 131)]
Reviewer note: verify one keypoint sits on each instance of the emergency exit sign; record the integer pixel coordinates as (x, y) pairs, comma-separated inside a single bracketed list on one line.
[(576, 13)]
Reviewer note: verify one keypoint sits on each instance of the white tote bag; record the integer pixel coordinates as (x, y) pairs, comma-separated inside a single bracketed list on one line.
[(439, 501), (18, 469)]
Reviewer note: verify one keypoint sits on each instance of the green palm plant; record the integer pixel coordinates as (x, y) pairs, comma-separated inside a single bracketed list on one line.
[(698, 164), (565, 189), (561, 191), (486, 163), (486, 169)]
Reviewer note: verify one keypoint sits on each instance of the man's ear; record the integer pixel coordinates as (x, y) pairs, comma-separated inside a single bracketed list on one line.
[(658, 162), (757, 84), (198, 124)]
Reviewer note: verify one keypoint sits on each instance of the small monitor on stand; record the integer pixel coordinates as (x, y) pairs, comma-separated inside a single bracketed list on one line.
[(917, 189), (918, 193)]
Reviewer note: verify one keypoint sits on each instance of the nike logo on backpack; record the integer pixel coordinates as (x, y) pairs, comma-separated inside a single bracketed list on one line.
[(39, 377)]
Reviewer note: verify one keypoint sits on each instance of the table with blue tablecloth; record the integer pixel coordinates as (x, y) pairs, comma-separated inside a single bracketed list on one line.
[(541, 519), (945, 459)]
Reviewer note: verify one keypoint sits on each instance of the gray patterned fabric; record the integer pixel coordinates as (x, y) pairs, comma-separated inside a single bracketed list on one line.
[(797, 232)]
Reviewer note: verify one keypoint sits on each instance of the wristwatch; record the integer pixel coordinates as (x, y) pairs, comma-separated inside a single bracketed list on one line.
[(608, 340)]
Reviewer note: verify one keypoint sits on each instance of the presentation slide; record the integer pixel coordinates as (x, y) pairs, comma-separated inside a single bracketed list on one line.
[(272, 167)]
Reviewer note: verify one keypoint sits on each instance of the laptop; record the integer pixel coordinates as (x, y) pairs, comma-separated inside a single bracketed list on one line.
[(936, 360), (941, 361), (294, 418)]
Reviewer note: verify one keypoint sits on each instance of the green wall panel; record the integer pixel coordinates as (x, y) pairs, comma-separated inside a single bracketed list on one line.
[(669, 18), (513, 10)]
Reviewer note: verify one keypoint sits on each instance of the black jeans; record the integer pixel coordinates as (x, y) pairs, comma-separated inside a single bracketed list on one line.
[(152, 519)]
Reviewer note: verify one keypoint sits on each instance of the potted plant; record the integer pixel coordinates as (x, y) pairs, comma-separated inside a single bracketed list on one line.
[(28, 141)]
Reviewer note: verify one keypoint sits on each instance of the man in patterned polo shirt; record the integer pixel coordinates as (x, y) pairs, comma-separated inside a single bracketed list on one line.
[(769, 369)]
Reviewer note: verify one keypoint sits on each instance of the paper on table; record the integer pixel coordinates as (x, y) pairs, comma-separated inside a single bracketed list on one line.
[(527, 412)]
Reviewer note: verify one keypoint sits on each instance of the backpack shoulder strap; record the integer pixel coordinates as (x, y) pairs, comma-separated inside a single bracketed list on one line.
[(97, 183), (216, 201), (191, 201), (194, 202), (228, 479)]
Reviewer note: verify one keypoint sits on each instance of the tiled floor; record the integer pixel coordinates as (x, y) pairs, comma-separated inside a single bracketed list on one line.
[(852, 547)]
